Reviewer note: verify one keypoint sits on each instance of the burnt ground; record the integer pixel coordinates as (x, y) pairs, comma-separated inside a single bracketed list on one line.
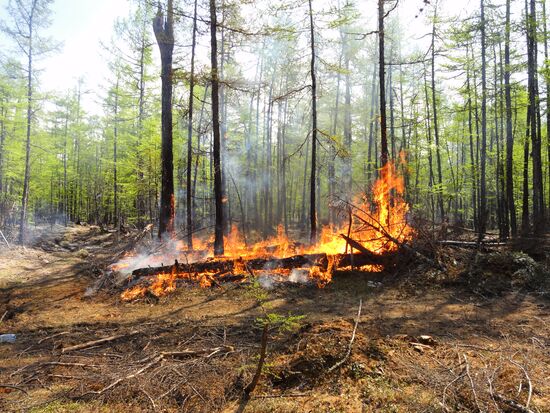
[(487, 321)]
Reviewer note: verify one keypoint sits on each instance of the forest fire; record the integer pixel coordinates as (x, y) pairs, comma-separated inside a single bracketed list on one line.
[(376, 228)]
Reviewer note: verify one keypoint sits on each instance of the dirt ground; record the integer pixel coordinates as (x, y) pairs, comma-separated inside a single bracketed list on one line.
[(424, 342)]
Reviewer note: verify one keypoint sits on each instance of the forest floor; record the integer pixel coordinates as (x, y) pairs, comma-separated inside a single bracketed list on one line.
[(474, 339)]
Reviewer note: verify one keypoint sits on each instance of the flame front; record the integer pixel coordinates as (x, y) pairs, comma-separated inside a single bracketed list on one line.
[(379, 225)]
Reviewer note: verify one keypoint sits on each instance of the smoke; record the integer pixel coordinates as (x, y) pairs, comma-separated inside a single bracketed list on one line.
[(154, 254), (266, 281), (299, 276)]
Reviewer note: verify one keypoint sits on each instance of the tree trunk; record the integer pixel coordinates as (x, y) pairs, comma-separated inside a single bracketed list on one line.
[(436, 127), (382, 84), (509, 134), (538, 192), (525, 197), (189, 189), (218, 195), (115, 143), (313, 179), (483, 159), (26, 179), (164, 33)]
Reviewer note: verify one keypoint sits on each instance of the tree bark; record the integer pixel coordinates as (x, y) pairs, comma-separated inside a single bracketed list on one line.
[(218, 193), (164, 33)]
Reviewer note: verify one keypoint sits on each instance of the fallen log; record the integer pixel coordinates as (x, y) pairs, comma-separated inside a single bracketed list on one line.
[(223, 266)]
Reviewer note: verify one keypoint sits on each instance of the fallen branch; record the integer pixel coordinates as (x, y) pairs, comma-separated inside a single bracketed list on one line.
[(530, 394), (350, 345), (93, 343), (52, 336), (471, 382), (190, 353), (5, 240), (11, 386), (485, 245), (129, 376), (513, 404)]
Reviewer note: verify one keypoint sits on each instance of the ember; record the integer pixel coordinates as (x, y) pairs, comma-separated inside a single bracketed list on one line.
[(378, 228)]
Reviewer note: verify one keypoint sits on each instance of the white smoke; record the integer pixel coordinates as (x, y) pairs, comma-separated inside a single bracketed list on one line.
[(300, 276)]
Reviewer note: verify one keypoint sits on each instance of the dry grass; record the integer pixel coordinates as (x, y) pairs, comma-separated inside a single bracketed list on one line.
[(488, 347)]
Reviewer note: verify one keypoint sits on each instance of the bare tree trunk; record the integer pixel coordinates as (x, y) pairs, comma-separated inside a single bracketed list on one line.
[(141, 193), (347, 124), (164, 33), (313, 179), (382, 84), (538, 191), (26, 179), (509, 134), (115, 143), (525, 195), (483, 178), (3, 113), (436, 126), (189, 189), (547, 79), (218, 195), (332, 154)]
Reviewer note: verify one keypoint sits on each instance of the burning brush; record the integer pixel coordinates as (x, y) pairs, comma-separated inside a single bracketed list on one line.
[(376, 230)]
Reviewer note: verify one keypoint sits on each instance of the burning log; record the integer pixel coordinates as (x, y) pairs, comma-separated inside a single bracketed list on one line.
[(224, 266)]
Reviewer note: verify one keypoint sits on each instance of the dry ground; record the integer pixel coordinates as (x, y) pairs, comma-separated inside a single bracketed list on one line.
[(488, 351)]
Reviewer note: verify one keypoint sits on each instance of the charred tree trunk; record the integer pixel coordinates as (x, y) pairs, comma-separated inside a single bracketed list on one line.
[(313, 179), (189, 190), (538, 192), (163, 27), (382, 84), (218, 193)]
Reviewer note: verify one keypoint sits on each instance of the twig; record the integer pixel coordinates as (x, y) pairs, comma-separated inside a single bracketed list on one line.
[(93, 343), (276, 396), (528, 382), (449, 385), (208, 351), (52, 336), (513, 404), (471, 382), (3, 316), (350, 345), (129, 376), (11, 386), (59, 363), (150, 399), (5, 240)]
